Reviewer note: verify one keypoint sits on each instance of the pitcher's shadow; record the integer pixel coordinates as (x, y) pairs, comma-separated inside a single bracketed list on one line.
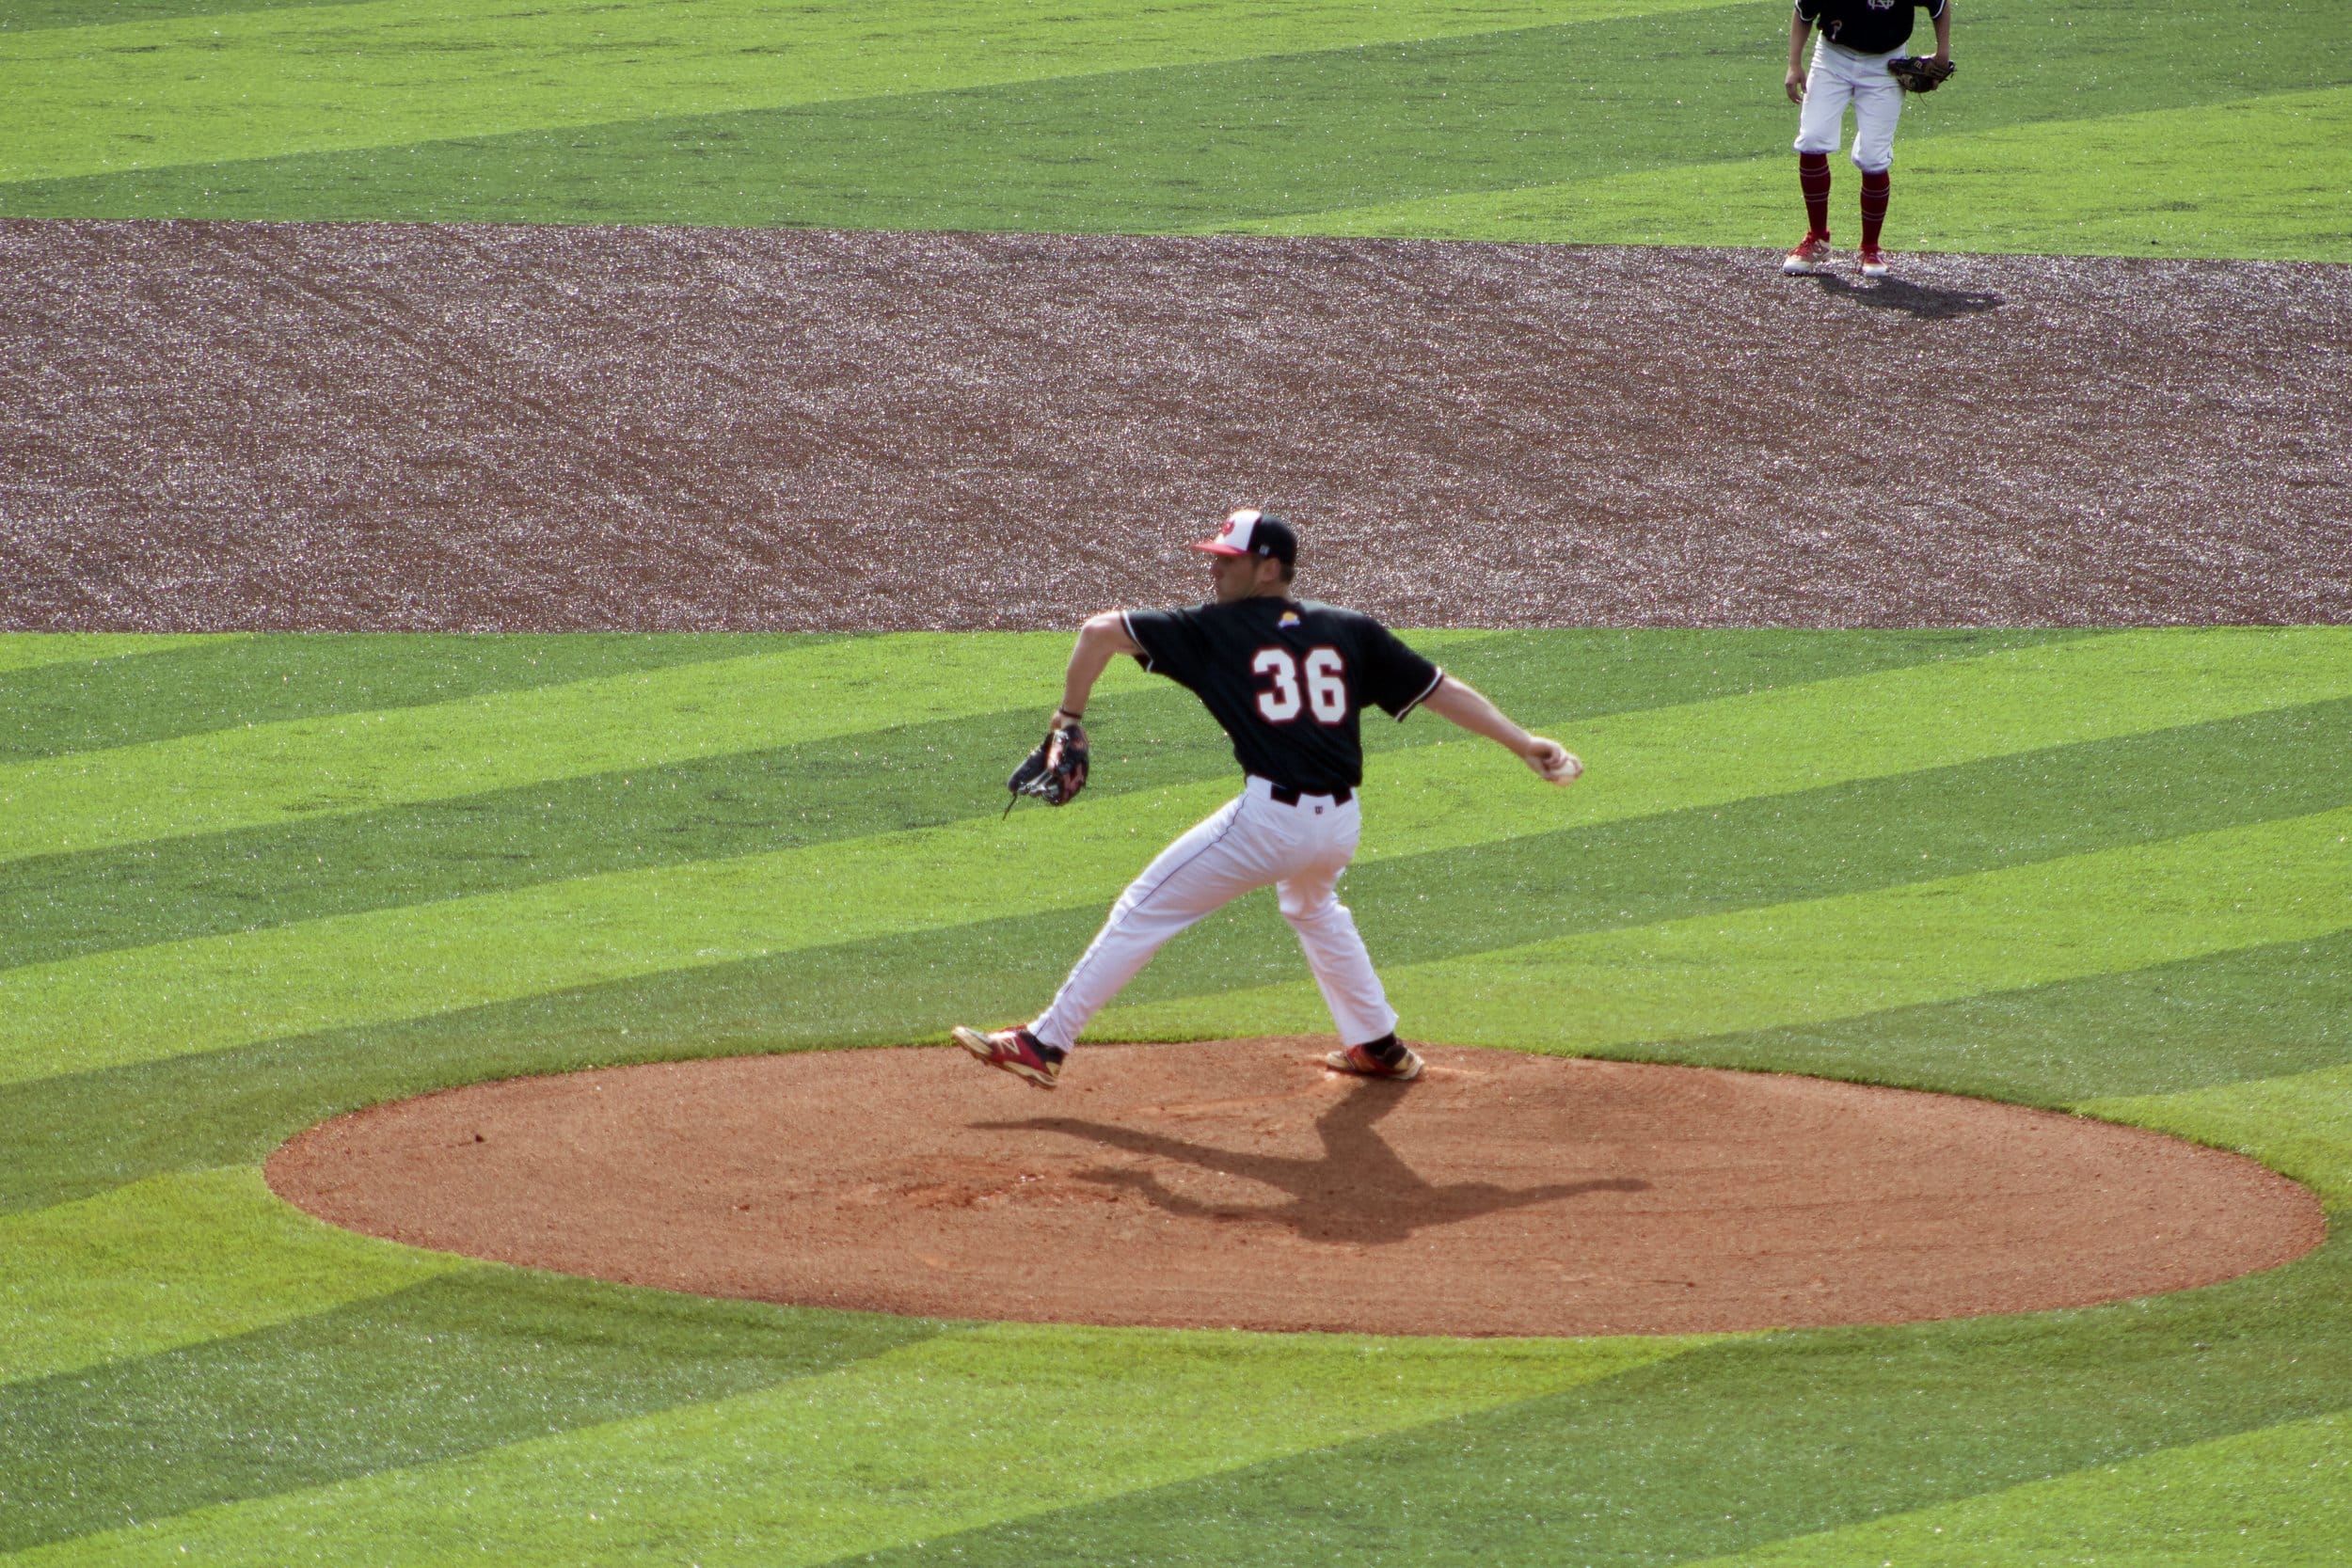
[(1919, 300), (1360, 1191)]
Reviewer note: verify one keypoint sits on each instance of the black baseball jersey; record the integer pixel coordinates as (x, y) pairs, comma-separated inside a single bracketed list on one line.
[(1867, 26), (1286, 679)]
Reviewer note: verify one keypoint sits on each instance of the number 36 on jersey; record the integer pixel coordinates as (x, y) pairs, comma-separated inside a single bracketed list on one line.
[(1317, 684)]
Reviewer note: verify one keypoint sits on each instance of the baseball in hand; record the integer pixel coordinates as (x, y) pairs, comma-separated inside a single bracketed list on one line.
[(1554, 762)]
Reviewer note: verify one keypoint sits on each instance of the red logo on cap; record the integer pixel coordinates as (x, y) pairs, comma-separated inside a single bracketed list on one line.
[(1225, 527)]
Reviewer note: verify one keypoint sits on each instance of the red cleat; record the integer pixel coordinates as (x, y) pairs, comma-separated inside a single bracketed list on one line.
[(1810, 257), (1015, 1050), (1873, 263)]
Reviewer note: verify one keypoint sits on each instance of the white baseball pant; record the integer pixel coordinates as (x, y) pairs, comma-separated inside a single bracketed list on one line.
[(1836, 78), (1252, 841)]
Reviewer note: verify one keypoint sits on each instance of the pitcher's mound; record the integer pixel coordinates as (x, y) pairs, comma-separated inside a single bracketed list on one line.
[(1240, 1184)]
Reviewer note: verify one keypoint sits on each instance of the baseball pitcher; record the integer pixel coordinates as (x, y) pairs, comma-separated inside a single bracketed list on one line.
[(1286, 679)]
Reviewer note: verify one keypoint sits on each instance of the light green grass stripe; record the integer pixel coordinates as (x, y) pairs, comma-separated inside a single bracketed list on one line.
[(353, 762), (175, 1261), (2099, 913), (143, 1003), (954, 1433), (267, 83), (2264, 177), (2300, 1124), (29, 650), (2277, 1497)]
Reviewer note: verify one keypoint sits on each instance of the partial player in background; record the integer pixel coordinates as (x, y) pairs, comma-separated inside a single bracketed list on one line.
[(1860, 41), (1286, 679)]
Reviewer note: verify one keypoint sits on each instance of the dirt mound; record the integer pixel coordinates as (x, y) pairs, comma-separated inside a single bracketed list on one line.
[(220, 426), (1239, 1184)]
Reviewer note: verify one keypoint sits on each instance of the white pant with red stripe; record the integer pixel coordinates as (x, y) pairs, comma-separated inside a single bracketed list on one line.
[(1252, 841)]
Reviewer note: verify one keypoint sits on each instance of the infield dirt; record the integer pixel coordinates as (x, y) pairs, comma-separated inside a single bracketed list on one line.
[(218, 427)]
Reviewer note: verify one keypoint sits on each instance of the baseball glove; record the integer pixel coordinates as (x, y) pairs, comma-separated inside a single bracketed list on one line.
[(1056, 771), (1919, 72)]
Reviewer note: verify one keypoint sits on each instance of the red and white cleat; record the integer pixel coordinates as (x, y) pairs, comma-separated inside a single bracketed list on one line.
[(1015, 1049), (1810, 257), (1873, 263), (1360, 1060)]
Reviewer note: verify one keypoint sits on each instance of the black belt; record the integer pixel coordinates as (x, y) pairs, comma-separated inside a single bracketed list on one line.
[(1283, 795)]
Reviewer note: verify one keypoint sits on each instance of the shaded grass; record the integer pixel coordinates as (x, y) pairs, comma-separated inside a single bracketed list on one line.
[(453, 1366), (871, 782)]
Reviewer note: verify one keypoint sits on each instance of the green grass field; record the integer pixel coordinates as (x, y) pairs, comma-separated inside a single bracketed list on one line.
[(2131, 127), (246, 882), (2107, 871)]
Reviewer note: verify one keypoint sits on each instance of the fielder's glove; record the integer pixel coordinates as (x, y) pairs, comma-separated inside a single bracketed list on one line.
[(1056, 771), (1919, 72)]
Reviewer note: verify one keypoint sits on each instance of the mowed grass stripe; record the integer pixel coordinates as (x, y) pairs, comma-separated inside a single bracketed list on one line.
[(1731, 1446), (1790, 963), (954, 1433), (31, 650), (2268, 1499), (207, 993), (29, 15), (472, 1360), (192, 685), (353, 761), (204, 88), (1247, 141), (2264, 177), (869, 781), (2249, 1013), (2277, 1010), (175, 1261)]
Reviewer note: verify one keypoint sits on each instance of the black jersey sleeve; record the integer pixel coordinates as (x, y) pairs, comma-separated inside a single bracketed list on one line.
[(1392, 677), (1171, 640)]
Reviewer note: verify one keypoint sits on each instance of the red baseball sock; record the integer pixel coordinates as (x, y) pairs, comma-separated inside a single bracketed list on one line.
[(1813, 179), (1874, 193)]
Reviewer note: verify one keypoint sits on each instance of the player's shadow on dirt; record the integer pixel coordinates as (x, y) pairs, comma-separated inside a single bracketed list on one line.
[(1358, 1192), (1912, 300)]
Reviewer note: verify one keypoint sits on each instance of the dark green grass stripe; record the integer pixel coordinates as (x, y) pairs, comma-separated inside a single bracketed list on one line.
[(880, 782), (68, 1136), (56, 708), (460, 1363), (1192, 147), (24, 16), (2266, 1013), (1724, 1449)]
